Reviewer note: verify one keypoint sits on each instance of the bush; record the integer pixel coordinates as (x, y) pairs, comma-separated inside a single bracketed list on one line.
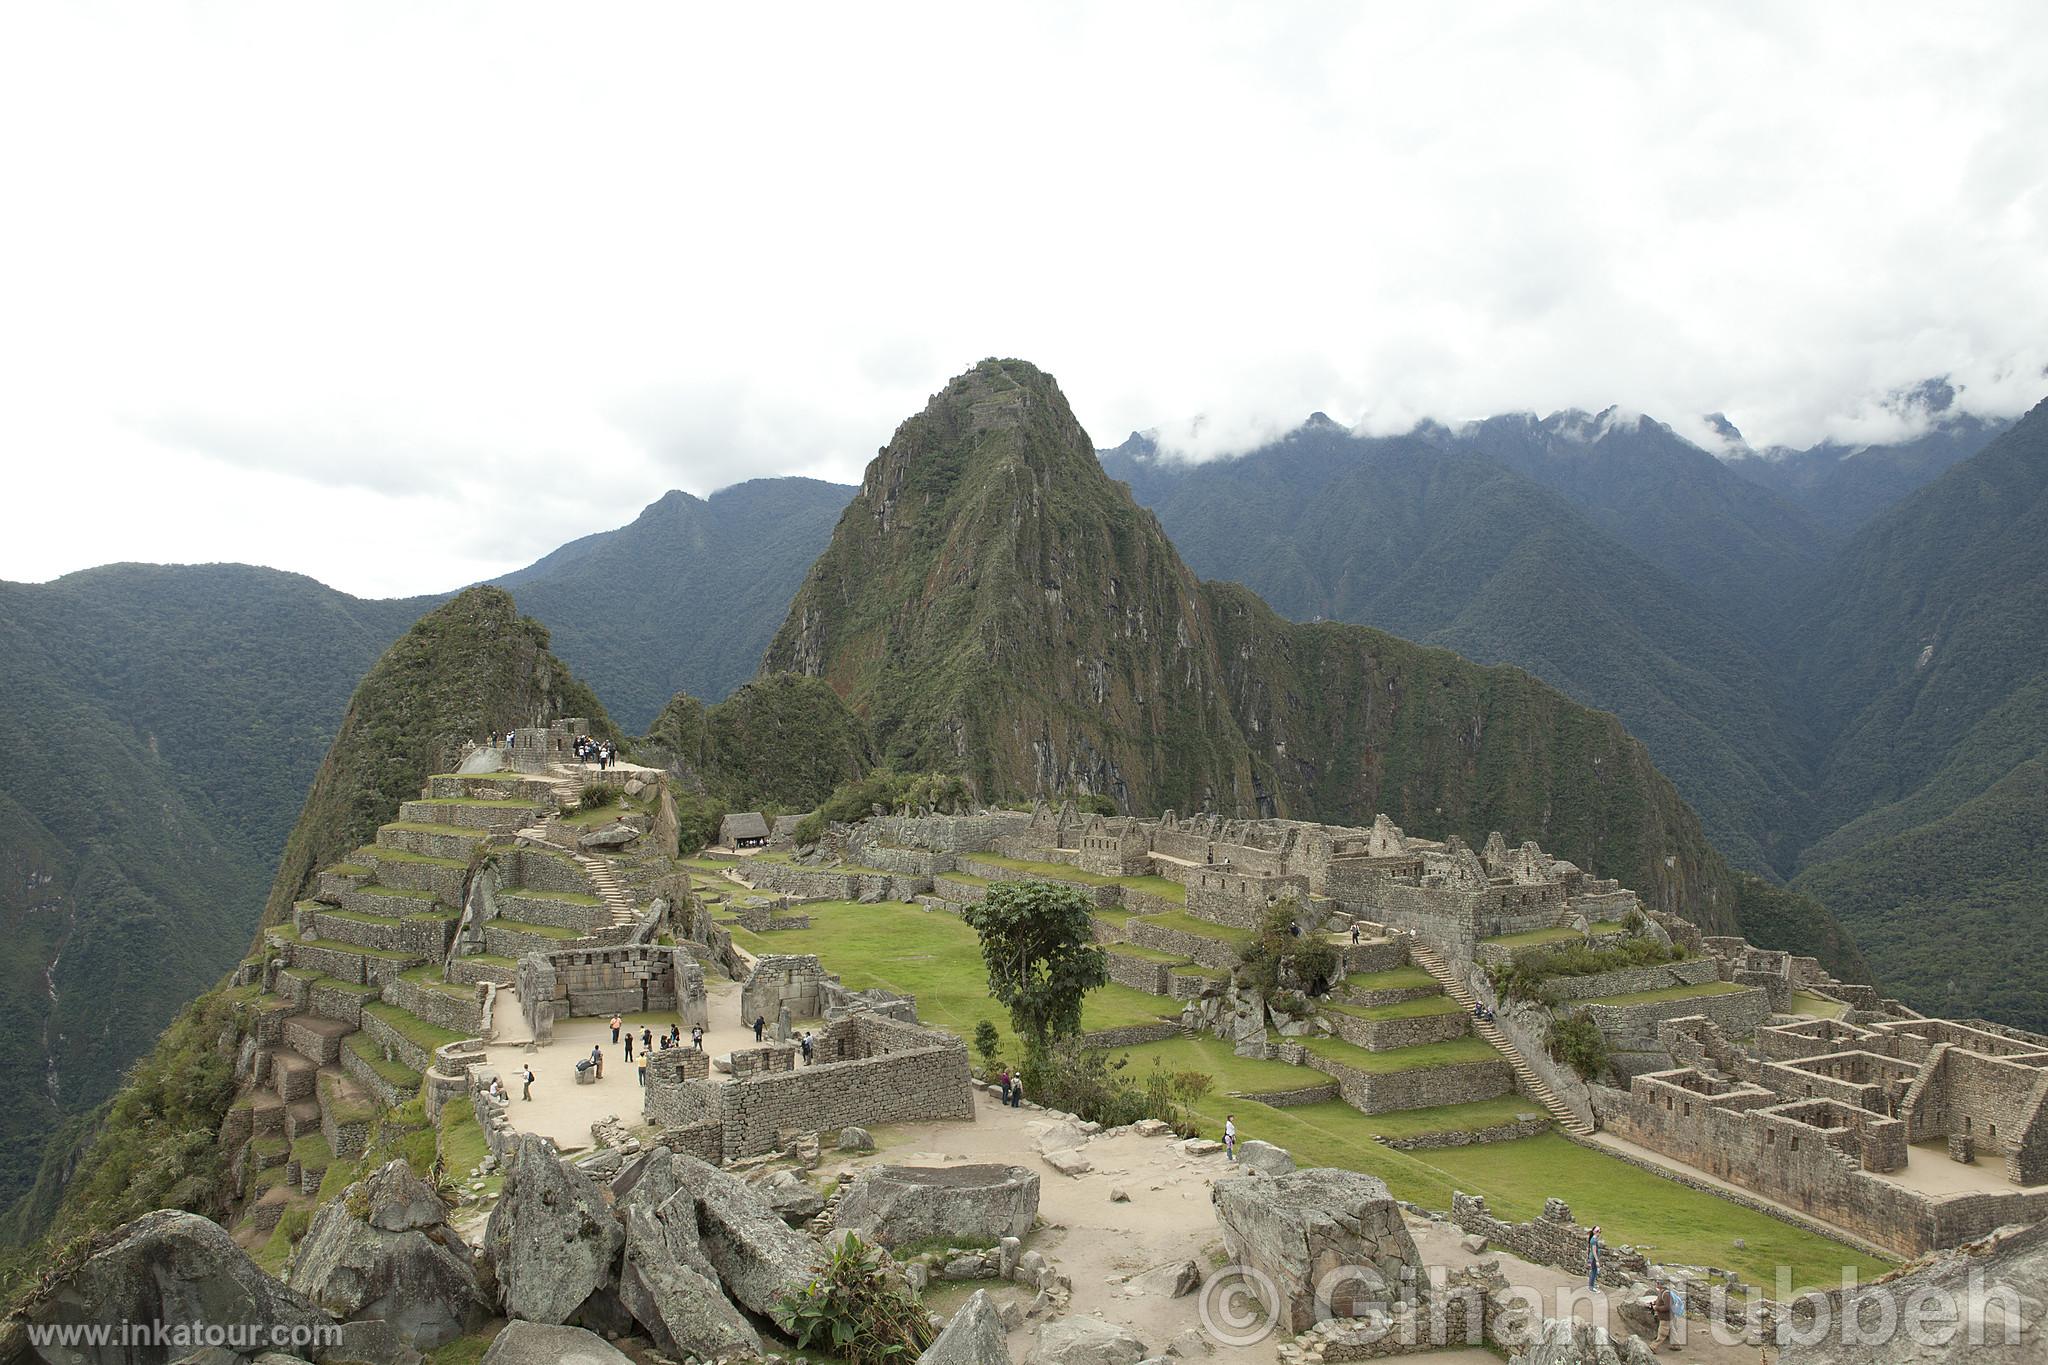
[(857, 1309), (1524, 978), (697, 820), (1095, 803), (1088, 1082), (1281, 960), (895, 792), (1576, 1041), (596, 795), (988, 1043)]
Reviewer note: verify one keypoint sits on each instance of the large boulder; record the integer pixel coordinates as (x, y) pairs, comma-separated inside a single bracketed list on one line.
[(1264, 1157), (384, 1251), (1338, 1231), (974, 1336), (900, 1206), (760, 1259), (533, 1343), (666, 1286), (171, 1267), (1569, 1341), (1086, 1341), (793, 1200), (1989, 1279), (552, 1235)]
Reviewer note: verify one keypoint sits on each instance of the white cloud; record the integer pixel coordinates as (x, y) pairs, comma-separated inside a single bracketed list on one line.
[(405, 295)]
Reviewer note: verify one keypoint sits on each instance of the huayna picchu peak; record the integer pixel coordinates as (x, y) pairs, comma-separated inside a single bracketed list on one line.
[(998, 607)]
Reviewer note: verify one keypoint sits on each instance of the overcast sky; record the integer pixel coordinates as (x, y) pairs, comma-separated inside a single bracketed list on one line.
[(403, 296)]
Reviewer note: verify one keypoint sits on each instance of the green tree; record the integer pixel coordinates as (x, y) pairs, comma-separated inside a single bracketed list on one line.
[(1038, 942)]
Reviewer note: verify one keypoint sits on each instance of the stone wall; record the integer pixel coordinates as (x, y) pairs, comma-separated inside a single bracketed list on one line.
[(1552, 1238), (1209, 952), (1139, 973), (836, 884), (1385, 1035), (1513, 1131), (1235, 896), (779, 981), (1633, 1028), (1631, 980), (1133, 1035), (1380, 1092), (461, 1014), (631, 979)]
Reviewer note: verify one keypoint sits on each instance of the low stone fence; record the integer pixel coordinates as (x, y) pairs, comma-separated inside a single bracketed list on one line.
[(1500, 1132), (1696, 971), (1148, 902), (1110, 895), (338, 1000), (526, 905), (836, 884), (1191, 983), (1294, 1099), (1386, 1035), (1549, 1239), (1374, 955)]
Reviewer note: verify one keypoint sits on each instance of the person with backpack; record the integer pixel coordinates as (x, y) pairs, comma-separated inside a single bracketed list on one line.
[(526, 1090)]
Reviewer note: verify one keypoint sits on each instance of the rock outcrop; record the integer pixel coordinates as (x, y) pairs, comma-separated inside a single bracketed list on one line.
[(974, 1335), (170, 1267), (533, 1343), (760, 1259), (2012, 1271), (552, 1235), (903, 1205), (1300, 1228), (1086, 1341), (384, 1251), (666, 1286), (1264, 1157)]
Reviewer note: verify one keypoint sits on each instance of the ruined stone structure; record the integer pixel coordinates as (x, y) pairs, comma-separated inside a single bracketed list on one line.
[(869, 1070), (630, 979)]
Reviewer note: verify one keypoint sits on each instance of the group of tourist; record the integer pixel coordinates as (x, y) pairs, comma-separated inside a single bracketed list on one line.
[(1482, 1013), (602, 752), (1011, 1088)]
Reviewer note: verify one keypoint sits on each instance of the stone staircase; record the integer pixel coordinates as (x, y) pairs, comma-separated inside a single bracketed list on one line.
[(1526, 1078), (604, 881)]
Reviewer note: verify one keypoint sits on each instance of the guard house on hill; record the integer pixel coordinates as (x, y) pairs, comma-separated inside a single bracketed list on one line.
[(746, 830)]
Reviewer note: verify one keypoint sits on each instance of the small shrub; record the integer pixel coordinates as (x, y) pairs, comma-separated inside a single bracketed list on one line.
[(1280, 960), (1095, 803), (857, 1310), (988, 1043), (1088, 1082), (596, 795), (1576, 1041), (294, 1224)]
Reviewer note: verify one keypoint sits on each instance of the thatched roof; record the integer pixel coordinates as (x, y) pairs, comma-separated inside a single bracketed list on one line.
[(743, 825)]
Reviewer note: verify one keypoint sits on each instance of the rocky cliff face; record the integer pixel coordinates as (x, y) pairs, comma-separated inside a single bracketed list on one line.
[(998, 607)]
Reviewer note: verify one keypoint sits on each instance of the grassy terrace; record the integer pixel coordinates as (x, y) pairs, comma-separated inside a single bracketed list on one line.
[(1163, 887), (1145, 954), (393, 1073), (564, 897), (1456, 1052), (1536, 937), (411, 1027), (1200, 928), (387, 954), (399, 855), (348, 870), (1818, 1006), (484, 802), (1403, 1009), (1398, 979), (429, 827), (541, 930), (935, 957), (406, 893), (1668, 993), (429, 975)]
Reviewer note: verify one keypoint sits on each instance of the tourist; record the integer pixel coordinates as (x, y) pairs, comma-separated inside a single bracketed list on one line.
[(1016, 1091), (629, 1045), (1230, 1137), (647, 1040), (597, 1059), (760, 1027), (1661, 1305), (526, 1090), (697, 1037), (616, 1022), (1003, 1085), (1593, 1257), (807, 1047), (643, 1070), (1354, 935), (1677, 1288)]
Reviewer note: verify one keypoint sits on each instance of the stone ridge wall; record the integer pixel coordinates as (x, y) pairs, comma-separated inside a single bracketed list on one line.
[(339, 1000), (996, 872), (515, 904), (1374, 954), (355, 968), (949, 833), (1182, 983), (427, 937), (390, 1096), (1147, 902), (468, 971), (1291, 1099), (1550, 1239), (823, 883), (1380, 1092), (1385, 1035), (958, 893), (911, 862), (1755, 1153), (1633, 1028), (1209, 952), (1697, 971), (1234, 896)]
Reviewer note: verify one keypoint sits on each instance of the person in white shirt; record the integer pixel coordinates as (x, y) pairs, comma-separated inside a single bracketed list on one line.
[(1230, 1138)]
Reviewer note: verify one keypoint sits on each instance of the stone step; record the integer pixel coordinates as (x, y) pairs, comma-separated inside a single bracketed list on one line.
[(316, 1039), (267, 1114), (429, 839), (1526, 1078), (291, 1077), (300, 1118)]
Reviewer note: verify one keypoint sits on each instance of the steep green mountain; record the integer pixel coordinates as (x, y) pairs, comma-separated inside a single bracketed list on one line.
[(1841, 488), (471, 667), (684, 598), (996, 606), (161, 724), (1447, 547), (1928, 678)]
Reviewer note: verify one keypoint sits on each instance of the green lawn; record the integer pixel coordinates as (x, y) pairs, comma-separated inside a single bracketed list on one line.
[(1417, 1008), (395, 1073), (411, 1027), (935, 957), (1399, 979), (1163, 887), (429, 975), (1668, 993), (1818, 1006), (428, 827), (1145, 954), (541, 930), (399, 855), (1455, 1052), (1537, 936)]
